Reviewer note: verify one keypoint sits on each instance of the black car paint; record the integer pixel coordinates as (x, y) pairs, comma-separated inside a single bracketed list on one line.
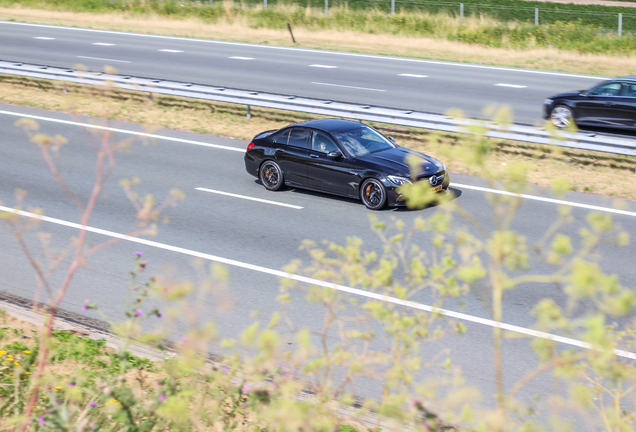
[(339, 175), (612, 111)]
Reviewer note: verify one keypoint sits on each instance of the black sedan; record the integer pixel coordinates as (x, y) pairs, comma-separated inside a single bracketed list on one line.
[(608, 104), (340, 157)]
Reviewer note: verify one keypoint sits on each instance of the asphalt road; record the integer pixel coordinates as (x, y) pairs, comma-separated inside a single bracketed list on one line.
[(404, 83), (258, 235)]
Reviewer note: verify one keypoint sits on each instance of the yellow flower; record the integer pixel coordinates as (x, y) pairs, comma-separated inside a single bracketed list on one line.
[(2, 352), (58, 387), (16, 363), (27, 352)]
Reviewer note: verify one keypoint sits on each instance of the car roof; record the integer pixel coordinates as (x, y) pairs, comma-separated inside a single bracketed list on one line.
[(331, 124), (627, 78)]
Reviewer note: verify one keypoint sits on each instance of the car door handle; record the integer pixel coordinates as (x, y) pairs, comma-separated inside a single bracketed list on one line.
[(314, 156), (609, 104)]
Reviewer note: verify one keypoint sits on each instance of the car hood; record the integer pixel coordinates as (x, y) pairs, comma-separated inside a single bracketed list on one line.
[(567, 95), (394, 162)]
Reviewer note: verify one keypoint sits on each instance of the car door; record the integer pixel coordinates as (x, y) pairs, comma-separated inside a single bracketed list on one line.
[(604, 106), (328, 173), (291, 154)]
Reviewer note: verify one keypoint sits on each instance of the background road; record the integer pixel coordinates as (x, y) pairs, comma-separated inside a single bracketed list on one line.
[(258, 233), (403, 83)]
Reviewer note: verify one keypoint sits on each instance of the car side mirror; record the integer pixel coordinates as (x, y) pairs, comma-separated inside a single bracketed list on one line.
[(391, 139), (336, 154)]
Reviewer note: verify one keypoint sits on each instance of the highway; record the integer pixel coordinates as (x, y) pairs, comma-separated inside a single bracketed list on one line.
[(397, 82), (229, 217)]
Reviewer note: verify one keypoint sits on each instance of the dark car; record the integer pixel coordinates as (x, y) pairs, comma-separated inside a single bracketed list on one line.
[(340, 157), (611, 103)]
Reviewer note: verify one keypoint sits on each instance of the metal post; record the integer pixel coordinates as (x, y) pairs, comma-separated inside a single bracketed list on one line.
[(326, 7), (620, 24), (536, 16), (249, 113), (461, 12), (265, 4), (392, 7)]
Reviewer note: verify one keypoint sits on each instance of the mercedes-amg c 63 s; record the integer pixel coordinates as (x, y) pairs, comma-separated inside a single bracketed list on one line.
[(340, 157)]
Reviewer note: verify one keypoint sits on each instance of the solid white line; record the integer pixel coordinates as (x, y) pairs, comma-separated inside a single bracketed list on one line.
[(323, 66), (103, 44), (250, 198), (170, 50), (143, 134), (316, 282), (242, 58), (105, 59), (346, 86), (413, 75), (44, 38), (548, 200), (511, 85), (372, 56)]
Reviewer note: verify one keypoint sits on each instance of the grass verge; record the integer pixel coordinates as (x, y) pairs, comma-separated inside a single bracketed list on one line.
[(478, 39), (593, 172)]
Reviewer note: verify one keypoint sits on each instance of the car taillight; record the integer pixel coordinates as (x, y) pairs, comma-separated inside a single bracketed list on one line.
[(250, 146)]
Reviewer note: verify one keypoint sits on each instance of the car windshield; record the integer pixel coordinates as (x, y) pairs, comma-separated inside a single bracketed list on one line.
[(362, 141)]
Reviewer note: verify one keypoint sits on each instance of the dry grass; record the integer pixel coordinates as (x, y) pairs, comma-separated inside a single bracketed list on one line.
[(238, 30), (593, 172)]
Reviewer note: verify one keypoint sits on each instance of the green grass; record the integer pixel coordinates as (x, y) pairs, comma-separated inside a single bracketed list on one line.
[(580, 28)]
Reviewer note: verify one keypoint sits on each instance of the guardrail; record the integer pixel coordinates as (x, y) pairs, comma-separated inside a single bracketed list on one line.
[(323, 107)]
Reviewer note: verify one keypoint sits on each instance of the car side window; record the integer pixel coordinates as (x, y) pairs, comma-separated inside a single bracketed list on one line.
[(322, 143), (283, 138), (298, 137), (609, 89), (630, 90)]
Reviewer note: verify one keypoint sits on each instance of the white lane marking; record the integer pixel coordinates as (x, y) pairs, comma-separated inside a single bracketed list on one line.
[(249, 198), (413, 75), (549, 200), (316, 282), (102, 44), (346, 86), (222, 147), (44, 38), (242, 58), (170, 50), (105, 59), (323, 66), (318, 52), (143, 134), (511, 85)]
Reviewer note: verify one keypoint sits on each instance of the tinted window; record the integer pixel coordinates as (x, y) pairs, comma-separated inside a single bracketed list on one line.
[(630, 90), (362, 141), (322, 143), (609, 89), (282, 138), (298, 137)]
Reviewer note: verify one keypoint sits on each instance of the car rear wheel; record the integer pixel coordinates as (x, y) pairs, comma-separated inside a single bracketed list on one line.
[(271, 175), (562, 116), (373, 194)]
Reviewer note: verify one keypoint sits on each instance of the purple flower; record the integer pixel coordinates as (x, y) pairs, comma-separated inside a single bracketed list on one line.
[(93, 403), (184, 339), (247, 388), (85, 305), (139, 312), (162, 397), (41, 420), (138, 254), (225, 369)]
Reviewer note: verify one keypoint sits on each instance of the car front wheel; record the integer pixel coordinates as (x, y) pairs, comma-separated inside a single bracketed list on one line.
[(373, 194), (271, 175), (562, 116)]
